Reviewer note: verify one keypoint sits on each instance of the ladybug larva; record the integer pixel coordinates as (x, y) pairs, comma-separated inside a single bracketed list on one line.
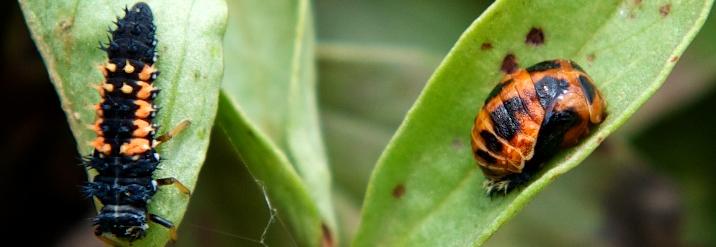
[(529, 116), (125, 155)]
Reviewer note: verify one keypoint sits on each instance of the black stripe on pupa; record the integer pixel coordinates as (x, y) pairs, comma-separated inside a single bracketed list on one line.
[(543, 66), (491, 141), (548, 89), (552, 133), (504, 122), (496, 90), (486, 156), (587, 88)]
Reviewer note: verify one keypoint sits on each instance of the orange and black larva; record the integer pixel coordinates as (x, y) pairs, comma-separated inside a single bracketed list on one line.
[(124, 154), (529, 116)]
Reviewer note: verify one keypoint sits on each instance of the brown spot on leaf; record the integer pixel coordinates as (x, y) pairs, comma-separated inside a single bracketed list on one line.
[(327, 240), (637, 2), (457, 143), (665, 10), (486, 46), (66, 24), (674, 59), (509, 63), (399, 191), (591, 57), (535, 36)]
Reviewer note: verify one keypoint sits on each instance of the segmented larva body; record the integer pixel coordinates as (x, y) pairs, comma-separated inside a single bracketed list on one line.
[(124, 153)]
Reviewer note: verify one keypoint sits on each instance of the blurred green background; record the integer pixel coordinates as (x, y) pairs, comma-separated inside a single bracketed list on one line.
[(649, 184)]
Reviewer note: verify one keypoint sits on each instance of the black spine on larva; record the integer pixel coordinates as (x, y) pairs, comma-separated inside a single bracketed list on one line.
[(124, 183), (134, 36)]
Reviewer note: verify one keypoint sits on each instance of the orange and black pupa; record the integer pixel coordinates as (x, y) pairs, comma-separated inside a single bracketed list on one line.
[(124, 153), (529, 116)]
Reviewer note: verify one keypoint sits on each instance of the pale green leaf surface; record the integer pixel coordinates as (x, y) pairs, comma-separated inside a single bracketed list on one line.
[(270, 77), (628, 47), (695, 68), (190, 36)]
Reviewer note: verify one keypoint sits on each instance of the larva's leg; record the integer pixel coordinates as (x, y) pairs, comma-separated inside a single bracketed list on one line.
[(165, 223), (175, 182), (176, 130)]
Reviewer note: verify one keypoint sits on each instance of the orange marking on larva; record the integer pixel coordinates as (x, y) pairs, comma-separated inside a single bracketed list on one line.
[(143, 128), (146, 72), (110, 67), (135, 146), (100, 146), (144, 109), (98, 110), (128, 68), (99, 89), (126, 88), (108, 87), (103, 70), (145, 90), (97, 128)]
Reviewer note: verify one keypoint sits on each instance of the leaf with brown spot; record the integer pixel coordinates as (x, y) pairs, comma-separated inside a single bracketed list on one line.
[(399, 191), (665, 10), (591, 57), (509, 63), (447, 205), (535, 37)]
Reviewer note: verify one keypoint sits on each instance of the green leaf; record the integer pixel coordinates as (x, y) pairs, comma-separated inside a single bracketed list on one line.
[(695, 67), (426, 189), (190, 36), (268, 110)]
